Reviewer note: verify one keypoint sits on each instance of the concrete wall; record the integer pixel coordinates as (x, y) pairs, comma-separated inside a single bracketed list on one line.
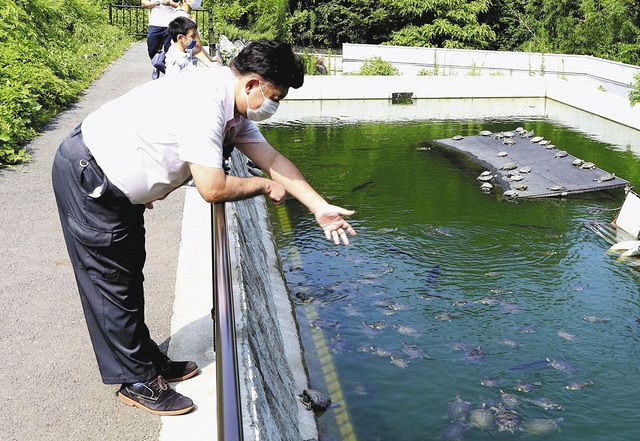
[(614, 76), (269, 351)]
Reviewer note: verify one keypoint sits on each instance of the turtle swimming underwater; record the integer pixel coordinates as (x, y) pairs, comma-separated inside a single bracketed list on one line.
[(561, 365), (485, 133), (457, 137), (482, 419), (506, 419), (489, 382), (314, 400), (509, 400), (560, 154), (577, 385), (567, 336), (475, 355), (536, 139), (606, 177), (541, 426), (509, 166), (458, 408), (545, 403)]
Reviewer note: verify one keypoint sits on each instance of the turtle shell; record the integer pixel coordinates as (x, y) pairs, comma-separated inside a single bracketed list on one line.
[(589, 165), (315, 400), (525, 169), (502, 154), (536, 139), (486, 133), (457, 137)]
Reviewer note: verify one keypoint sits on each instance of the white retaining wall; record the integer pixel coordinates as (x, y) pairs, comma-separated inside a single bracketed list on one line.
[(614, 76)]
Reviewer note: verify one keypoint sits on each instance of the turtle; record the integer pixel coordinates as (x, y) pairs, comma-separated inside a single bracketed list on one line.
[(523, 387), (544, 142), (376, 325), (577, 385), (550, 147), (406, 330), (486, 173), (360, 389), (381, 352), (596, 319), (457, 409), (455, 432), (536, 139), (475, 355), (561, 365), (508, 141), (487, 178), (567, 336), (525, 169), (521, 187), (506, 419), (490, 382), (315, 400), (486, 187), (502, 154), (509, 166), (516, 177), (545, 403), (412, 351), (498, 135), (588, 165), (560, 154), (508, 134), (400, 362), (510, 343), (482, 419), (542, 426), (526, 134), (556, 188), (485, 133), (577, 162), (519, 130), (605, 177), (457, 137), (445, 317), (509, 400), (510, 194)]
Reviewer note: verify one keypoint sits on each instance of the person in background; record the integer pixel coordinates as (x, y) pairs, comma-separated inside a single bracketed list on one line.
[(160, 14), (128, 154), (180, 55), (184, 9)]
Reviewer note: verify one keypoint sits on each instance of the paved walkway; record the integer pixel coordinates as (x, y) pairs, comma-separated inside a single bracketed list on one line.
[(49, 376)]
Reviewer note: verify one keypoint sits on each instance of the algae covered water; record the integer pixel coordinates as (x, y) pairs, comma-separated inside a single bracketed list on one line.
[(447, 292)]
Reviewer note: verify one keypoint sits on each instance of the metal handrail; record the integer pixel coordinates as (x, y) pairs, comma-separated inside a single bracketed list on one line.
[(224, 332)]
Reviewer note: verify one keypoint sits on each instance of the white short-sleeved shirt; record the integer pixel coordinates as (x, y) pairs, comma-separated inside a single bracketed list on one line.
[(160, 15), (145, 139), (177, 61)]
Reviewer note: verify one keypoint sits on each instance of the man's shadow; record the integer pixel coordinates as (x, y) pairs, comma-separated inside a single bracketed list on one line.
[(192, 342)]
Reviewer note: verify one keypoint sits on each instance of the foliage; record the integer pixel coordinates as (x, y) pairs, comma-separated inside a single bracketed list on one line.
[(49, 52), (377, 66), (634, 94)]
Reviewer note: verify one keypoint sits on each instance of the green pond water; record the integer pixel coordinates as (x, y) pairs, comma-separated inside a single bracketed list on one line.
[(443, 269)]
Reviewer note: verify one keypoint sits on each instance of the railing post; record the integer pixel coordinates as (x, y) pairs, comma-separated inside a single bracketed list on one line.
[(110, 14)]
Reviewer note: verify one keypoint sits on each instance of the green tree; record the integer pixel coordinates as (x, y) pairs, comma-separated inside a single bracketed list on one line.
[(442, 23)]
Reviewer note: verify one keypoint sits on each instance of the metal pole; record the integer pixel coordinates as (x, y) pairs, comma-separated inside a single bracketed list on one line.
[(228, 389)]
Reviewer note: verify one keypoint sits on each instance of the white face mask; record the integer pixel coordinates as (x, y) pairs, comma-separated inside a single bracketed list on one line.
[(195, 4), (266, 110)]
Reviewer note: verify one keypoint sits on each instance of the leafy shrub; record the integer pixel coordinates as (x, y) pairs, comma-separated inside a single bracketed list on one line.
[(49, 52), (377, 66), (634, 94)]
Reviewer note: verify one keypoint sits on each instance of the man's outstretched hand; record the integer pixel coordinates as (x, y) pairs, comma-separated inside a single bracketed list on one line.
[(335, 228)]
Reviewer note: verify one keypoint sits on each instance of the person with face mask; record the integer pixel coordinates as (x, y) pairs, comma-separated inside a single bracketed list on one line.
[(184, 9), (180, 54), (128, 154)]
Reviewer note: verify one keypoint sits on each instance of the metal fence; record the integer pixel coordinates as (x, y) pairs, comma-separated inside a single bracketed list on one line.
[(135, 20), (229, 422)]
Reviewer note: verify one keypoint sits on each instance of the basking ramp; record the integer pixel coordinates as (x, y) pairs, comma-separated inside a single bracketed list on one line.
[(551, 173)]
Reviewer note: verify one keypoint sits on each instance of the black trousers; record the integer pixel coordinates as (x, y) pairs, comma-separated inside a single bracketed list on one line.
[(157, 38), (105, 237)]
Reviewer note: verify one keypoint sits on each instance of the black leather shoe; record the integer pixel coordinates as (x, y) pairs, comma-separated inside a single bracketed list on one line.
[(176, 370), (156, 397)]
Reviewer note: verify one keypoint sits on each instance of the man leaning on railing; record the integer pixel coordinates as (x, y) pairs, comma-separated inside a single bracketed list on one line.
[(128, 154)]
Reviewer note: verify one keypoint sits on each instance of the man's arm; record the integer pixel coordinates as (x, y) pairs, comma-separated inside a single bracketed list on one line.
[(282, 170), (215, 186)]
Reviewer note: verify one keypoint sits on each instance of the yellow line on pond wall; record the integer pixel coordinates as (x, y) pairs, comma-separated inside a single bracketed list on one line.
[(327, 366)]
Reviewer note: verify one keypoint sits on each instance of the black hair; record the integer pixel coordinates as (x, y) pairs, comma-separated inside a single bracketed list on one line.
[(180, 26), (273, 61)]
